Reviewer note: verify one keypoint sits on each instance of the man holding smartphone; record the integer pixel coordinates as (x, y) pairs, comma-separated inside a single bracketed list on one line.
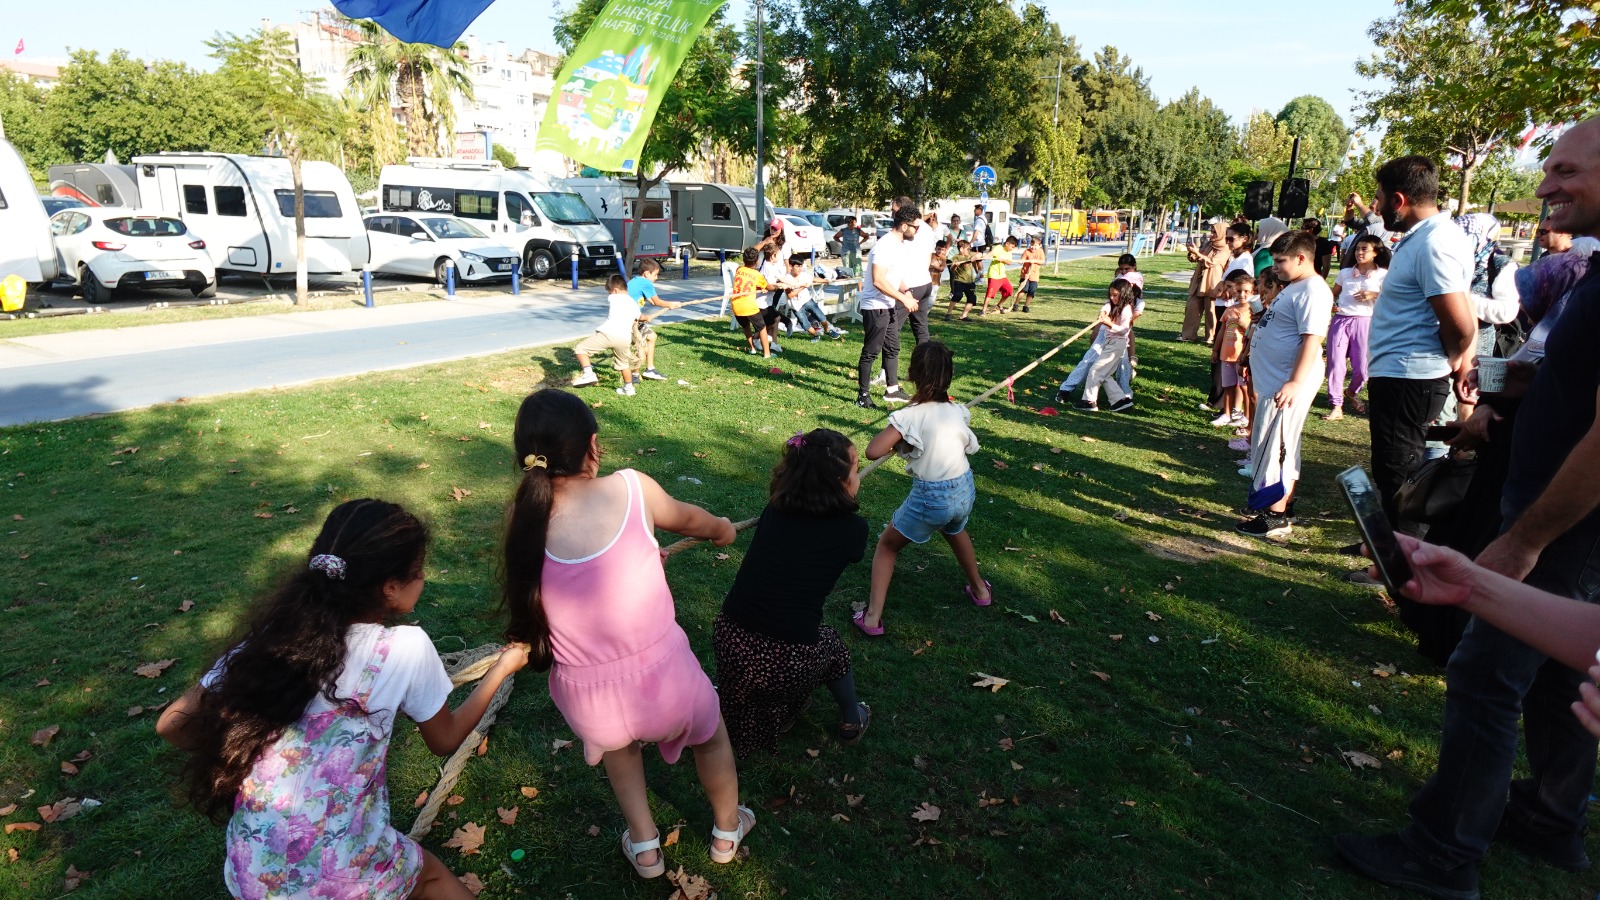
[(1551, 541)]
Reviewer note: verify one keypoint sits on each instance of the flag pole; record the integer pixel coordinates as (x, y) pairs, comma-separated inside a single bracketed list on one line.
[(761, 137)]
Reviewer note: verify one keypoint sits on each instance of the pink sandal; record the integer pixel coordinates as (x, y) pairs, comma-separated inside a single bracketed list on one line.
[(974, 597), (859, 619)]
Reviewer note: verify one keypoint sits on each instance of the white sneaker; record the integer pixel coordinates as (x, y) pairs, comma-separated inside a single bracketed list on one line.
[(1248, 471), (1238, 420), (653, 375), (586, 378), (627, 390), (1223, 420), (896, 395), (1205, 407), (776, 348)]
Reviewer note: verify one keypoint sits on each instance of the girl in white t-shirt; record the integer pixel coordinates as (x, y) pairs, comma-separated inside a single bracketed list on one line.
[(288, 733), (1355, 291), (1111, 338), (934, 435)]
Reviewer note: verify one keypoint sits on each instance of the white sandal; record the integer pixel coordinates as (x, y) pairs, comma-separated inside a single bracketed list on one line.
[(747, 824), (631, 851)]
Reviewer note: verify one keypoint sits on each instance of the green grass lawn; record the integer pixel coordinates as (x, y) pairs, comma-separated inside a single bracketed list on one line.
[(1178, 732)]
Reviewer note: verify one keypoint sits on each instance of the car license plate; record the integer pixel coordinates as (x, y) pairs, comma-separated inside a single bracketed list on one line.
[(503, 267), (163, 276)]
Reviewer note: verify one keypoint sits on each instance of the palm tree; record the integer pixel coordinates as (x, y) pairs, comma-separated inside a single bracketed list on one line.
[(418, 78)]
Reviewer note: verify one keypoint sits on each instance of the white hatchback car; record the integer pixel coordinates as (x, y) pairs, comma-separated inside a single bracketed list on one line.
[(421, 244), (101, 249), (801, 237)]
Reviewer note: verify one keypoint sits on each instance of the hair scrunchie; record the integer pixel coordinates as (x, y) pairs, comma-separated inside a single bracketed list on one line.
[(329, 565)]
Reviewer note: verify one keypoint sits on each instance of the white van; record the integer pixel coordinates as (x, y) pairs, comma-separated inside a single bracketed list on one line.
[(243, 208), (543, 220), (997, 211), (613, 203), (25, 245)]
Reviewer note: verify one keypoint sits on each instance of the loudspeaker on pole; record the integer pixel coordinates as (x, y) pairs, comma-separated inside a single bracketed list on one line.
[(1294, 198), (1257, 200)]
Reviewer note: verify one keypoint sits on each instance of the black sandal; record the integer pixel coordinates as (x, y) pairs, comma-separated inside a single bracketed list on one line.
[(850, 733)]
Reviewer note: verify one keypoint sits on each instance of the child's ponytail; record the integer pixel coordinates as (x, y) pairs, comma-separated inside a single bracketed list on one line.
[(553, 437)]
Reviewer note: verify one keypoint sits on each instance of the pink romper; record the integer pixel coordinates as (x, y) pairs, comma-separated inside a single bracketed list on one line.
[(624, 671)]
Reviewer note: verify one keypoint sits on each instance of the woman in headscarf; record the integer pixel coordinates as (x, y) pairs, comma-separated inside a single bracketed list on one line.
[(1271, 229), (1209, 259)]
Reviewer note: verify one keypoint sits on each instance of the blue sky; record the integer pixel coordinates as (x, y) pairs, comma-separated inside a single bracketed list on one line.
[(1244, 55)]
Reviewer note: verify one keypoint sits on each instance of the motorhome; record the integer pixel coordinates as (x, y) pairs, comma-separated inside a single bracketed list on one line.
[(25, 245), (997, 212), (615, 204), (97, 184), (243, 208), (545, 221), (715, 217)]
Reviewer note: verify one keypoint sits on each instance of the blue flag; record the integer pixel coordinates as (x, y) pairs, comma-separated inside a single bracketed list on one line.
[(437, 22)]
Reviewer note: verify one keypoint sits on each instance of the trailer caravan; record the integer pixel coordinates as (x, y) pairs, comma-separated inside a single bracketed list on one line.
[(614, 203), (714, 217), (997, 212), (97, 184), (243, 208), (25, 245), (545, 221)]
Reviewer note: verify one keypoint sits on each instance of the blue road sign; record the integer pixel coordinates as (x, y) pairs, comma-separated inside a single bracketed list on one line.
[(984, 175)]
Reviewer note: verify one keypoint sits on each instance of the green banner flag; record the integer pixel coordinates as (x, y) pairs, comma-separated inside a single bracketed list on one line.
[(607, 93)]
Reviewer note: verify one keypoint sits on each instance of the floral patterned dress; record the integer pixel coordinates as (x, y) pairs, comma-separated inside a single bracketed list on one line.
[(312, 818)]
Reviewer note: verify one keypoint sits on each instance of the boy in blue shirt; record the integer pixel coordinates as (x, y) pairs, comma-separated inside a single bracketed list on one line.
[(642, 288)]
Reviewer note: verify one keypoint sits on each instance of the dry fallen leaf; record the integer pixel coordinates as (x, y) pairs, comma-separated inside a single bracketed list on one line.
[(813, 753), (43, 682), (507, 816), (1120, 515), (1016, 766), (61, 810), (1090, 440), (22, 826), (1392, 754), (1007, 744), (454, 800), (854, 800), (154, 670), (1130, 803), (1115, 637), (689, 887), (263, 515), (459, 494), (468, 838), (559, 744), (1101, 675), (984, 800), (135, 711), (1056, 617), (12, 855), (43, 735), (1384, 671), (75, 877), (999, 464), (992, 682), (68, 768), (422, 799), (483, 746), (927, 812), (530, 792), (1361, 760), (722, 556), (1154, 617), (839, 817), (594, 831), (185, 606), (8, 810), (473, 883), (672, 836)]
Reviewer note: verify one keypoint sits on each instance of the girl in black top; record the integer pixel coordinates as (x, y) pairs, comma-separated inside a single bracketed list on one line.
[(771, 646)]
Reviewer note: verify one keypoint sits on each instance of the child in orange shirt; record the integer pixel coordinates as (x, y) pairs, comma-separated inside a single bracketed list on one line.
[(1240, 287)]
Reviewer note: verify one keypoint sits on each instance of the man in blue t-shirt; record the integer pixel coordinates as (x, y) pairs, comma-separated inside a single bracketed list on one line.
[(1423, 328), (642, 288), (1550, 540)]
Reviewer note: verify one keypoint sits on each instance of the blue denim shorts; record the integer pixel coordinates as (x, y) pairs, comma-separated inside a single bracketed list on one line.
[(931, 506)]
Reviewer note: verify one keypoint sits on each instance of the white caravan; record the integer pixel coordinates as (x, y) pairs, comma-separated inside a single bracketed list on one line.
[(545, 221), (614, 203), (243, 208), (25, 245), (997, 212)]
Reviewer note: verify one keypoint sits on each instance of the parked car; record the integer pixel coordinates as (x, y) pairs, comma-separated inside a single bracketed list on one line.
[(866, 220), (406, 244), (54, 204), (1026, 227), (800, 236), (101, 249)]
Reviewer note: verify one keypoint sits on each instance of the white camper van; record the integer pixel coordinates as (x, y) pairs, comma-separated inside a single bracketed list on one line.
[(243, 208), (613, 202), (997, 212), (542, 219), (25, 245)]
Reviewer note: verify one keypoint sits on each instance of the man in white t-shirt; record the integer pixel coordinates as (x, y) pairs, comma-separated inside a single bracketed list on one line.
[(918, 281), (885, 304), (1285, 371)]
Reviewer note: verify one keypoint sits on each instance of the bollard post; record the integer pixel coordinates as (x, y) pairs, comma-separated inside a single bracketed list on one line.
[(622, 267), (813, 259), (366, 283), (685, 262), (574, 268), (516, 277), (450, 278)]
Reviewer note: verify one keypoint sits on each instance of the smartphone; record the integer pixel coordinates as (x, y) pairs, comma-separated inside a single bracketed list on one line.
[(1443, 433), (1376, 532)]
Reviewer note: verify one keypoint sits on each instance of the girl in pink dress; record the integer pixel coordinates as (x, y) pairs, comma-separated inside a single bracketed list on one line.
[(288, 733), (585, 587)]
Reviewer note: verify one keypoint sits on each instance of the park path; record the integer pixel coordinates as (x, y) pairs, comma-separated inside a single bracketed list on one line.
[(62, 376)]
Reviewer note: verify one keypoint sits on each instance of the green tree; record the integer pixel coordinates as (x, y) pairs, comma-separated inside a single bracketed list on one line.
[(23, 122), (420, 80), (701, 109), (130, 108), (504, 157), (1264, 145), (1203, 145), (1434, 97), (1135, 153), (260, 69), (1322, 134)]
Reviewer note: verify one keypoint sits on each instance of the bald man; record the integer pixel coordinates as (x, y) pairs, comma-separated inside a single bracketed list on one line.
[(1550, 540)]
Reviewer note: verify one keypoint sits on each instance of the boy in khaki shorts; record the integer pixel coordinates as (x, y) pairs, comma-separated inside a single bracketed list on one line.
[(614, 335)]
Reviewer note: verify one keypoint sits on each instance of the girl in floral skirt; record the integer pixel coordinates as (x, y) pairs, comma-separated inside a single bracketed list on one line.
[(288, 733)]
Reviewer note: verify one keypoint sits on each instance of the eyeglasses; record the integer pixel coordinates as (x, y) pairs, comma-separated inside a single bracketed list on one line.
[(1543, 232)]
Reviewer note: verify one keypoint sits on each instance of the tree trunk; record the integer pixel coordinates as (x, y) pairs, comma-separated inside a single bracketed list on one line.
[(301, 279), (642, 187), (1466, 185)]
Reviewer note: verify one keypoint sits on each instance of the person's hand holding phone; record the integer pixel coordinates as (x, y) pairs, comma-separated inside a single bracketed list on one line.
[(1439, 576)]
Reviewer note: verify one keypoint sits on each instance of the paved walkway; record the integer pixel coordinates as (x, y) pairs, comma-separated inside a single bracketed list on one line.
[(60, 376)]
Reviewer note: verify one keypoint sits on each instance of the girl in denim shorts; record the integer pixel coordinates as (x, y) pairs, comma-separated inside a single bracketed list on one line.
[(934, 436)]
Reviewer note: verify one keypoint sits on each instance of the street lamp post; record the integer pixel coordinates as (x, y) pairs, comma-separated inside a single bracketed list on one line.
[(761, 136), (1050, 189)]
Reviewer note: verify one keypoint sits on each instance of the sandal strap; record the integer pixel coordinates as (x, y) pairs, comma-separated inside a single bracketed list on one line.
[(643, 846), (735, 836)]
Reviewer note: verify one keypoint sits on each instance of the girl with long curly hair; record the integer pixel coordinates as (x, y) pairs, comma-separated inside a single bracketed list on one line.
[(288, 733)]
